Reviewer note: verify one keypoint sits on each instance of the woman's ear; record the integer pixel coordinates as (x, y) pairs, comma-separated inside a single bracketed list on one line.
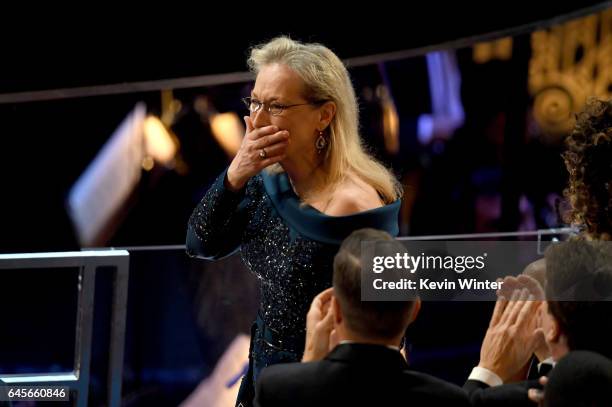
[(326, 114)]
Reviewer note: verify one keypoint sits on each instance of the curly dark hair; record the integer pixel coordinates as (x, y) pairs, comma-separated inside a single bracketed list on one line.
[(588, 159)]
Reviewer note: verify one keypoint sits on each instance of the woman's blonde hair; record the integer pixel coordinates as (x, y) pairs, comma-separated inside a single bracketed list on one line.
[(326, 78)]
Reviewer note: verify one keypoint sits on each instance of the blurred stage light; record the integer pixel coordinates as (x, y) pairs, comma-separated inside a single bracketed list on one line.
[(227, 130), (96, 200), (160, 144)]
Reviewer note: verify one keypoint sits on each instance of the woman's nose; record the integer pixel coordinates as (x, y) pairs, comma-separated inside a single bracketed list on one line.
[(260, 118)]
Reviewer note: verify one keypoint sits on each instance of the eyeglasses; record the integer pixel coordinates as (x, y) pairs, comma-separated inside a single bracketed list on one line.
[(274, 109)]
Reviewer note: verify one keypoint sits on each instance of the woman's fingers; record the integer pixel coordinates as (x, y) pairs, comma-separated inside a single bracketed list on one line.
[(275, 149), (265, 141), (250, 160), (249, 124), (260, 132), (261, 147)]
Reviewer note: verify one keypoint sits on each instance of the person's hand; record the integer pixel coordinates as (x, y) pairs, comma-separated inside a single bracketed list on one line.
[(535, 289), (511, 284), (512, 335), (533, 286), (260, 148), (319, 327), (537, 395)]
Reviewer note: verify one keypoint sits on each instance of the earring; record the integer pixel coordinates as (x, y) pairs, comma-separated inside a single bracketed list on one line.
[(321, 142)]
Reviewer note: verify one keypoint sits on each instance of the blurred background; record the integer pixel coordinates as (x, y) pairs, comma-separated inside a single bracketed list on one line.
[(113, 142)]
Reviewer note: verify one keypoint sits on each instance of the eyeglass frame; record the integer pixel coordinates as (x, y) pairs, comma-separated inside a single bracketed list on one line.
[(249, 100)]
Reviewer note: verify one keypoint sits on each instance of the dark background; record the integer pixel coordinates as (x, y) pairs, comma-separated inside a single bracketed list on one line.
[(46, 145)]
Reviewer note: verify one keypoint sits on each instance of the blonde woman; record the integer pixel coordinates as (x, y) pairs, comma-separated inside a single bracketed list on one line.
[(300, 183)]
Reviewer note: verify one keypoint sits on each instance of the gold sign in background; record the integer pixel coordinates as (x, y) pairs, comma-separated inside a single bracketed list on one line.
[(569, 63)]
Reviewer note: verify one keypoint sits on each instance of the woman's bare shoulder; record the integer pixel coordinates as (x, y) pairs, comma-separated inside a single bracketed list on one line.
[(352, 196)]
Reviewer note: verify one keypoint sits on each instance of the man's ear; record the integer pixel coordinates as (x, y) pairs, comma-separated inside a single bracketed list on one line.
[(336, 310), (414, 312), (552, 332), (326, 113)]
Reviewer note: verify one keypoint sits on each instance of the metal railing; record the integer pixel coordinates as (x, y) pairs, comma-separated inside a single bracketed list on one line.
[(87, 263)]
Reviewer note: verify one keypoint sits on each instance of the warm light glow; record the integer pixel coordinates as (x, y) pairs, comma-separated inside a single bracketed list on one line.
[(499, 49), (569, 62), (227, 130), (147, 163), (159, 143), (390, 120)]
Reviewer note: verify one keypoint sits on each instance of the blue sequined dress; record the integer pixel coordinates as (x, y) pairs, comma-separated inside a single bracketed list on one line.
[(288, 246)]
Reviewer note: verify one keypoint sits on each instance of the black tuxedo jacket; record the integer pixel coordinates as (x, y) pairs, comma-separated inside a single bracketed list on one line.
[(505, 395), (354, 375)]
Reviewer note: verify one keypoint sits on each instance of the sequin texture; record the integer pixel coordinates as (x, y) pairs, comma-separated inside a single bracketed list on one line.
[(291, 268)]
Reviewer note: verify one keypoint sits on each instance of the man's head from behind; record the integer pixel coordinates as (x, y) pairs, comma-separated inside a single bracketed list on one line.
[(579, 297), (581, 378), (381, 322)]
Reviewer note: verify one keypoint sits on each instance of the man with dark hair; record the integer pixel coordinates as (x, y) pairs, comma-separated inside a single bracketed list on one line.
[(575, 316), (581, 378), (366, 367), (383, 320), (579, 297)]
